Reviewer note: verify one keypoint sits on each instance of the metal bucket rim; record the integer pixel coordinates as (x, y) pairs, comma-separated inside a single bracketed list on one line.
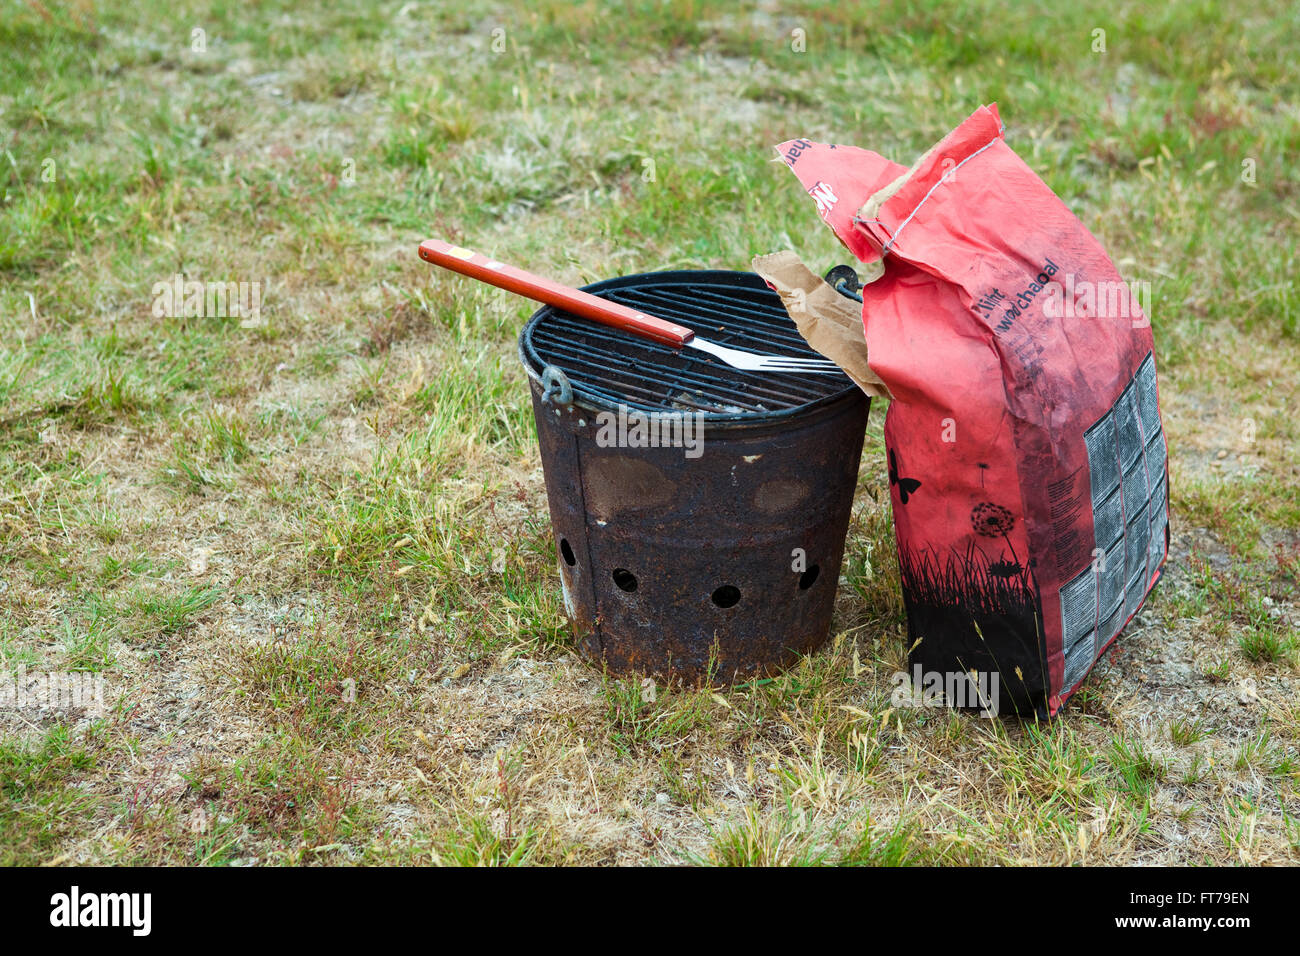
[(587, 400)]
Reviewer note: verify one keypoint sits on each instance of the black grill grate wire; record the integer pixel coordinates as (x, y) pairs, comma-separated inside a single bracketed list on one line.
[(733, 309)]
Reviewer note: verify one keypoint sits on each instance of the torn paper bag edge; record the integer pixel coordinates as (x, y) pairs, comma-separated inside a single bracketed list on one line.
[(830, 323)]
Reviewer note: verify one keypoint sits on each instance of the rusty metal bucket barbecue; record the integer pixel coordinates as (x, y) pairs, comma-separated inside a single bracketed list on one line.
[(716, 559)]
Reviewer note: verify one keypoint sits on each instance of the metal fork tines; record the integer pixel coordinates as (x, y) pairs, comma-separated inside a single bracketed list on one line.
[(753, 362)]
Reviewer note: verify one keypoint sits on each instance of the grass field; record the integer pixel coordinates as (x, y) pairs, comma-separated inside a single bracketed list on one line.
[(309, 553)]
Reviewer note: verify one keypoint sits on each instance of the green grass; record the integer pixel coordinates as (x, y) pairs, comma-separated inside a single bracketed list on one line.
[(1184, 733), (167, 614), (239, 524), (42, 803), (1136, 767), (321, 683), (638, 715), (761, 839)]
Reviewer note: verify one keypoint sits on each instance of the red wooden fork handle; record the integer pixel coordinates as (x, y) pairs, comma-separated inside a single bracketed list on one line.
[(478, 266)]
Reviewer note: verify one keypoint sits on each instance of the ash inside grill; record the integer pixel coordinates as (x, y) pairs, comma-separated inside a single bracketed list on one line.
[(736, 309)]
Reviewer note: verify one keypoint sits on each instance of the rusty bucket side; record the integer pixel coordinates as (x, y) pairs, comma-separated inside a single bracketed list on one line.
[(722, 566)]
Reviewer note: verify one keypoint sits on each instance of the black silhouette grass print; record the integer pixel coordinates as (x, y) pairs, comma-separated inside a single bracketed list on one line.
[(954, 600)]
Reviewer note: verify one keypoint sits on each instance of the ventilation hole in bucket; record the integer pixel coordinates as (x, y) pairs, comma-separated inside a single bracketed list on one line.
[(726, 596), (808, 577), (625, 579), (567, 552)]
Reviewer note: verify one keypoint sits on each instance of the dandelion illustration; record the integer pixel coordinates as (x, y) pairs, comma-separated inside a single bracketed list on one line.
[(991, 521), (994, 521)]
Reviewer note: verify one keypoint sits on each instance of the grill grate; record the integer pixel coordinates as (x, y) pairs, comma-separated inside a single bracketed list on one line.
[(735, 309)]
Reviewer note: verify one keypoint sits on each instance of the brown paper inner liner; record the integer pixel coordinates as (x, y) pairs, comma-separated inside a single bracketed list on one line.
[(829, 322)]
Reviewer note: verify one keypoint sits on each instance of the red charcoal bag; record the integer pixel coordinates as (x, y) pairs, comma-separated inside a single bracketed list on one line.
[(1028, 468)]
